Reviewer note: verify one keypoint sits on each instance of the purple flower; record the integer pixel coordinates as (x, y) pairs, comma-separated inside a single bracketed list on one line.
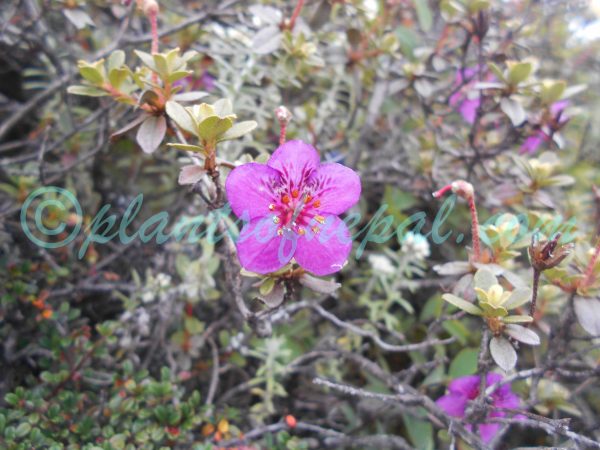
[(556, 120), (467, 107), (464, 389), (189, 83), (291, 205)]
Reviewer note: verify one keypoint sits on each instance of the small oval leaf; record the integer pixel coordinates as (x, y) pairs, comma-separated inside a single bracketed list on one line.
[(503, 353)]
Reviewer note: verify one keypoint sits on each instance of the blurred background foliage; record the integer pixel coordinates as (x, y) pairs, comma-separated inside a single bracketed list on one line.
[(141, 346)]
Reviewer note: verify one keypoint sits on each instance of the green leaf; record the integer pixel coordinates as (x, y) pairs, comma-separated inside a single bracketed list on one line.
[(420, 432), (517, 319), (187, 147), (118, 441), (519, 72), (423, 14), (151, 133), (90, 73), (116, 60), (484, 279), (267, 286), (503, 353), (408, 41), (522, 334), (518, 297), (23, 430), (552, 91), (223, 107), (477, 5), (161, 64), (213, 126), (147, 59), (497, 71), (118, 76), (193, 325), (514, 110), (587, 311), (89, 91), (181, 116), (493, 311), (465, 363), (463, 304), (239, 129)]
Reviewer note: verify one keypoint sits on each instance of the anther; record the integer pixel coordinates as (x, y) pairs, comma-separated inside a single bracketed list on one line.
[(271, 207), (285, 199), (320, 219), (275, 219), (317, 203), (295, 193)]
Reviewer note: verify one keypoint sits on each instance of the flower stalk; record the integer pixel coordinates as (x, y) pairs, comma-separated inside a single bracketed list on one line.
[(284, 116), (465, 190)]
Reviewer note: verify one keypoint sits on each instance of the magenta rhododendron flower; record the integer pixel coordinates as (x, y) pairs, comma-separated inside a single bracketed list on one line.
[(464, 389), (291, 205), (557, 119), (461, 100)]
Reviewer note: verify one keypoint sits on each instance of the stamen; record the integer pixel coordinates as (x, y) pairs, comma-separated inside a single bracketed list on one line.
[(276, 219), (279, 231), (285, 199), (271, 207), (315, 229), (320, 219), (308, 199), (295, 193), (317, 203), (301, 231)]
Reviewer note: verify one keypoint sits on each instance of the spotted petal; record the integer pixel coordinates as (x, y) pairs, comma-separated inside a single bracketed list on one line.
[(336, 187), (296, 161), (261, 249), (326, 252), (249, 190)]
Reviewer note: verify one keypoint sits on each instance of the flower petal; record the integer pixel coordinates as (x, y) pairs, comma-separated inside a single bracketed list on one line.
[(467, 386), (249, 190), (261, 249), (506, 400), (531, 144), (468, 109), (337, 188), (488, 431), (453, 404), (326, 252), (296, 161)]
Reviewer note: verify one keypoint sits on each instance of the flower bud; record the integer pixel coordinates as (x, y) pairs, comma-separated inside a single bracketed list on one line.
[(284, 116), (150, 7)]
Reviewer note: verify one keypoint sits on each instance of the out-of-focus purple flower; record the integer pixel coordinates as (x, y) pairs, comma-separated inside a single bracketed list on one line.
[(532, 143), (556, 120), (467, 107), (464, 389), (206, 82), (291, 205)]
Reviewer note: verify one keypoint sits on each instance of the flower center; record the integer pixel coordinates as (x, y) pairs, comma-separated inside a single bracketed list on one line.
[(295, 210)]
